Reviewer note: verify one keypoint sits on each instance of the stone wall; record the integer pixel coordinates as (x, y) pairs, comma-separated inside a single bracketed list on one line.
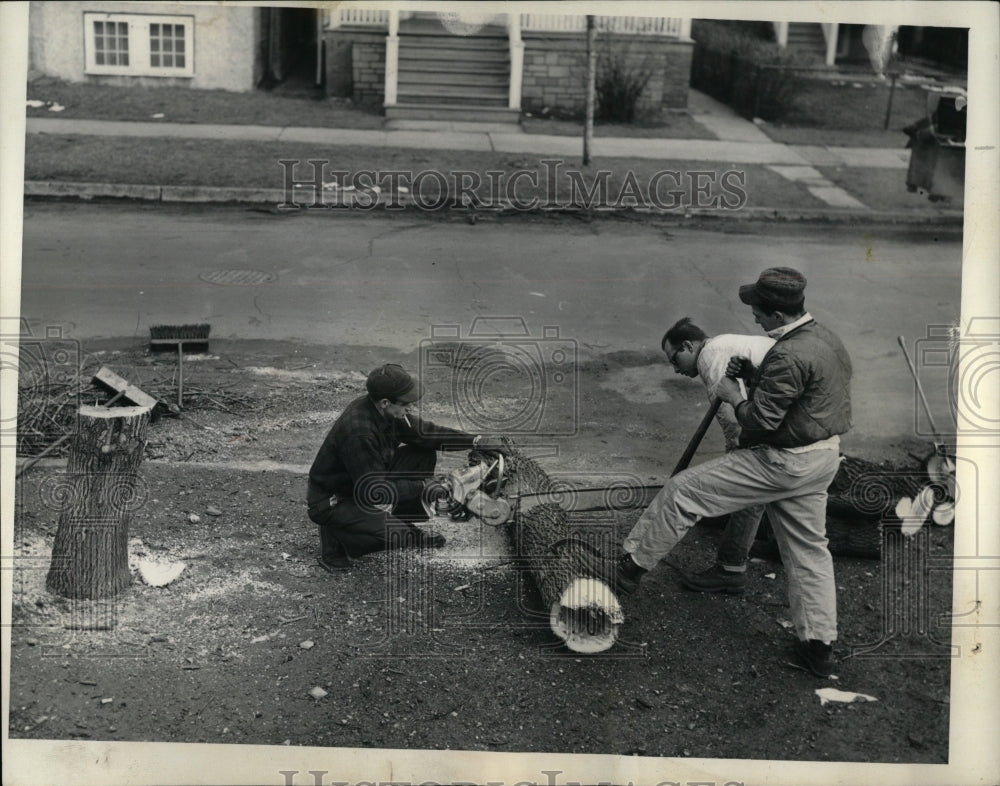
[(555, 69), (355, 65)]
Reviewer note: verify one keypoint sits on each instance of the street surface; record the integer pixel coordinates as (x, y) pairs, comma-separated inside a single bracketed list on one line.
[(384, 281)]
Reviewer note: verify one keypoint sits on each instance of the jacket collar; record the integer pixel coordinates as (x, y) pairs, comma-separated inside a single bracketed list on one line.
[(784, 330)]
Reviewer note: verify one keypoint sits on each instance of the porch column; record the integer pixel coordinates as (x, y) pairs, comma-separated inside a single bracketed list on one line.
[(516, 60), (392, 59), (781, 33), (831, 31), (685, 34)]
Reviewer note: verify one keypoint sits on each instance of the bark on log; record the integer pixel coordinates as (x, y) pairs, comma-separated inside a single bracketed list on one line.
[(96, 498), (568, 563)]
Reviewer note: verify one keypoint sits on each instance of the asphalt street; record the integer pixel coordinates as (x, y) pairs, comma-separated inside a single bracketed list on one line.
[(391, 281)]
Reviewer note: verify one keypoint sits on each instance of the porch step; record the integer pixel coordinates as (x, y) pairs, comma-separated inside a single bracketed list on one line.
[(468, 113), (452, 94), (449, 62), (421, 77), (445, 70), (807, 37)]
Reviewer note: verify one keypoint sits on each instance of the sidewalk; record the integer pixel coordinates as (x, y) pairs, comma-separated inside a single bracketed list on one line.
[(739, 142)]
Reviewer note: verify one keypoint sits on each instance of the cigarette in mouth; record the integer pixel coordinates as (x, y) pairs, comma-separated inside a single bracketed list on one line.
[(407, 420)]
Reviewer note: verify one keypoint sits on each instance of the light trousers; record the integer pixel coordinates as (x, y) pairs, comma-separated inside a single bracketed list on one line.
[(791, 486)]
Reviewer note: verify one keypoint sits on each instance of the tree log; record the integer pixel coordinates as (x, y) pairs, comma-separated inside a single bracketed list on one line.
[(568, 563), (96, 498)]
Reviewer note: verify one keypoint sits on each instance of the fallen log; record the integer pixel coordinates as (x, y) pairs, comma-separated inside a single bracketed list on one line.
[(569, 563)]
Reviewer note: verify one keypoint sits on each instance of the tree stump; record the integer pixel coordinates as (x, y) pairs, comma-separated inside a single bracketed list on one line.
[(569, 565), (97, 496)]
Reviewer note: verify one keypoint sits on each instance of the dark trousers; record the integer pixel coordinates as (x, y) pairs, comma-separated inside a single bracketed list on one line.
[(360, 529)]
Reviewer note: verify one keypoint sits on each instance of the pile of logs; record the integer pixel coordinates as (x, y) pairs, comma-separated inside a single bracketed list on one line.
[(865, 497)]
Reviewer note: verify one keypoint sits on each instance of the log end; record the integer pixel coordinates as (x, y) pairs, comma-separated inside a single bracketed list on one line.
[(587, 616)]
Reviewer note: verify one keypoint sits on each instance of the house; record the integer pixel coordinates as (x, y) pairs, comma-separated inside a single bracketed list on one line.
[(464, 64), (850, 44), (233, 46), (492, 66)]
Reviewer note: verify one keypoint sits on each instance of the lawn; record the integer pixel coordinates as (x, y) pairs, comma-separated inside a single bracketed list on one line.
[(305, 108), (848, 113), (164, 161), (183, 105)]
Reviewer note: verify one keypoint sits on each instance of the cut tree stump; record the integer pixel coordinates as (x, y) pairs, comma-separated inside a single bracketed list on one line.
[(569, 564), (97, 496)]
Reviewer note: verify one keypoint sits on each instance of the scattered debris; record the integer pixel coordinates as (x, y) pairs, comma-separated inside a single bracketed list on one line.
[(786, 624), (160, 574), (107, 700), (56, 108), (35, 103), (771, 576), (158, 115), (194, 518), (211, 510), (307, 644), (317, 693), (844, 696)]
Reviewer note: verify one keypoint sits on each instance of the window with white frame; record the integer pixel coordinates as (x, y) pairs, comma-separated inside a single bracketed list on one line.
[(139, 44)]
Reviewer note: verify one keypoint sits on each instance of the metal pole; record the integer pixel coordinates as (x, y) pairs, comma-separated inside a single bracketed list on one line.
[(888, 109), (588, 125)]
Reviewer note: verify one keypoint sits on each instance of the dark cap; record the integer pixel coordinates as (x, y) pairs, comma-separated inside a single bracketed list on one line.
[(777, 289), (392, 382)]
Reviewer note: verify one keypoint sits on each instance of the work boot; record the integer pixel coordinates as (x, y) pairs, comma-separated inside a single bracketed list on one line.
[(333, 556), (628, 575), (816, 656), (716, 579)]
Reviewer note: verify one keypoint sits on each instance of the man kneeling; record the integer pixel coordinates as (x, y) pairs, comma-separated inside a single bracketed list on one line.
[(374, 471)]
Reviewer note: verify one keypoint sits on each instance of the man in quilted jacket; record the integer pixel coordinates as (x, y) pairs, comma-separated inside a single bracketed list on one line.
[(799, 404)]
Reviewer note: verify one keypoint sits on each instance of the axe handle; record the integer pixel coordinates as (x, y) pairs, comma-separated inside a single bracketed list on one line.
[(692, 446)]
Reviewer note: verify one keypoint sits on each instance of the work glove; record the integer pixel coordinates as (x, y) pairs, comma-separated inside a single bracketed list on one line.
[(491, 445), (739, 368)]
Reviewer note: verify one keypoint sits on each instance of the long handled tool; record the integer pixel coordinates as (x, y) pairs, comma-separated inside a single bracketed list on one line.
[(940, 466), (939, 442), (194, 338), (699, 435)]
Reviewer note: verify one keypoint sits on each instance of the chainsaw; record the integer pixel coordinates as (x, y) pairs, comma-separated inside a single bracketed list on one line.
[(477, 491)]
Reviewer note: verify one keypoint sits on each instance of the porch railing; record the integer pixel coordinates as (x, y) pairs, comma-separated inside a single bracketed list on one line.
[(671, 27)]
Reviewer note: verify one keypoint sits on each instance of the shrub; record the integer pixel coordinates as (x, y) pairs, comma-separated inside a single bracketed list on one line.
[(621, 79), (734, 64)]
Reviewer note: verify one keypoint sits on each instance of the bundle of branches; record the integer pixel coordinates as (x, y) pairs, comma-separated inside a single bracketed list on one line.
[(569, 563), (46, 413)]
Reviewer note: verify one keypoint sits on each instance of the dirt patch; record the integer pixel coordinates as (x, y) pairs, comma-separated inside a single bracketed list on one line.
[(441, 649)]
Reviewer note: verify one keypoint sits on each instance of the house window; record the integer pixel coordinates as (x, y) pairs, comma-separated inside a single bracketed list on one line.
[(139, 44)]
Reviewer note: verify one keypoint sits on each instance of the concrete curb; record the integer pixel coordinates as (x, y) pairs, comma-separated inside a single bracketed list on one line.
[(275, 197)]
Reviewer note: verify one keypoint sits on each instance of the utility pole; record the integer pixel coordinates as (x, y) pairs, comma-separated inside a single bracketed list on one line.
[(588, 124)]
